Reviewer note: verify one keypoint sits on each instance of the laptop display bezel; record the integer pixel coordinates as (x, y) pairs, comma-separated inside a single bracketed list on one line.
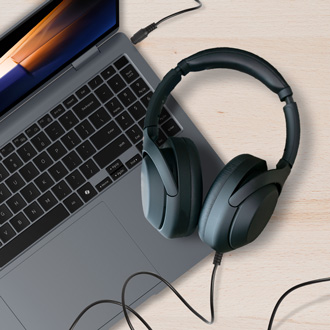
[(9, 39)]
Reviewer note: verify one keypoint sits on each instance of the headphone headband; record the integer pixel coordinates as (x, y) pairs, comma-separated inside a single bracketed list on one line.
[(235, 59)]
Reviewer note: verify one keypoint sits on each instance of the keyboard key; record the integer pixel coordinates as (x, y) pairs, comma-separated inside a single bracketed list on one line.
[(5, 214), (13, 163), (104, 184), (171, 128), (61, 190), (104, 93), (140, 87), (137, 111), (85, 129), (75, 179), (121, 62), (27, 152), (134, 161), (127, 97), (44, 182), (54, 131), (89, 169), (86, 150), (43, 161), (16, 203), (108, 73), (124, 120), (72, 161), (58, 171), (99, 118), (70, 101), (71, 140), (114, 166), (7, 150), (83, 92), (41, 141), (47, 201), (4, 193), (6, 233), (116, 83), (15, 182), (112, 151), (95, 82), (141, 123), (146, 99), (135, 134), (73, 203), (32, 234), (19, 222), (129, 74), (87, 192), (29, 172), (164, 115), (114, 107), (32, 131), (45, 121), (3, 173), (57, 150), (86, 107), (119, 173), (20, 140), (58, 111), (105, 135), (33, 211), (30, 192), (68, 120)]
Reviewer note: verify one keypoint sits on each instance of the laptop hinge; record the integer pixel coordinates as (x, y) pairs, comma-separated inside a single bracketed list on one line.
[(89, 55)]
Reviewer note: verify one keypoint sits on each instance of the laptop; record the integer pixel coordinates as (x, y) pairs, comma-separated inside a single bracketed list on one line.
[(73, 97)]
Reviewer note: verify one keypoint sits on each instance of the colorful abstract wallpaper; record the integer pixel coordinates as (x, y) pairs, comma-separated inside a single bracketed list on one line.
[(65, 32)]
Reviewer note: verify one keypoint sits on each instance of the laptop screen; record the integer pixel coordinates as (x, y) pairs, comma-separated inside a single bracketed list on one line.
[(45, 43)]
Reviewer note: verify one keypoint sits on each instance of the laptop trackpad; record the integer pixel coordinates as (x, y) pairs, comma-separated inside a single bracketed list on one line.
[(8, 319), (87, 262)]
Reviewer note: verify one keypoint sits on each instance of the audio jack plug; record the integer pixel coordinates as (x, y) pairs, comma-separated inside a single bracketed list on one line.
[(143, 33)]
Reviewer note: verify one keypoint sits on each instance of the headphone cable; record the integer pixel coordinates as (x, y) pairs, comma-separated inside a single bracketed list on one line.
[(143, 33), (216, 261), (288, 292)]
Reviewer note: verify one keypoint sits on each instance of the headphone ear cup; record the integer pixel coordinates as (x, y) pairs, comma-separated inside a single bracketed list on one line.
[(182, 210), (217, 214), (153, 193), (253, 215)]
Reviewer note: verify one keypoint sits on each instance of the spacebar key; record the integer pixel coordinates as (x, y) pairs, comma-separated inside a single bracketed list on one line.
[(32, 234), (112, 151)]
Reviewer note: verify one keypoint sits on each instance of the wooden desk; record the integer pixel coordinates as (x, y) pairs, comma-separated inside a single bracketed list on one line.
[(238, 115)]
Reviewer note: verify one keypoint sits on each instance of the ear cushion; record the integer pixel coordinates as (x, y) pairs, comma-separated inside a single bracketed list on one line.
[(216, 187), (196, 185), (182, 210)]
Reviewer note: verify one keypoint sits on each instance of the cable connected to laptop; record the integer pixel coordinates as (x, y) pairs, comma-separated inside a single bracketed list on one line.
[(143, 33), (216, 262)]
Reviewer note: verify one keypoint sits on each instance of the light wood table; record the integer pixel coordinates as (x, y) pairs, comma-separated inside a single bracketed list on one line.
[(238, 115)]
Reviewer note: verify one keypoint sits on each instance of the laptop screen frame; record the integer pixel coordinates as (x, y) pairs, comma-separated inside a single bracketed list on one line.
[(14, 35)]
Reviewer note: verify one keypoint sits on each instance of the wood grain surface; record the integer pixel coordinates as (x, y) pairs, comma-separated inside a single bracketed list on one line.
[(238, 115)]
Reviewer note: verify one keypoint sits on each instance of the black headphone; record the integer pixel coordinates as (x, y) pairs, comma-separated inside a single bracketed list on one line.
[(243, 196)]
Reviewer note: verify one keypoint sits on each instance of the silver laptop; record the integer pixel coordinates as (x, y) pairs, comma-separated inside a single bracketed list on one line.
[(73, 96)]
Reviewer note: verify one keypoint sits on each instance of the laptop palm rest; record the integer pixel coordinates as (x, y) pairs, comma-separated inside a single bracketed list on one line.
[(74, 270)]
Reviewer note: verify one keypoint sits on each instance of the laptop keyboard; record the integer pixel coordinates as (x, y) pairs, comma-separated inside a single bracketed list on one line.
[(48, 171)]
